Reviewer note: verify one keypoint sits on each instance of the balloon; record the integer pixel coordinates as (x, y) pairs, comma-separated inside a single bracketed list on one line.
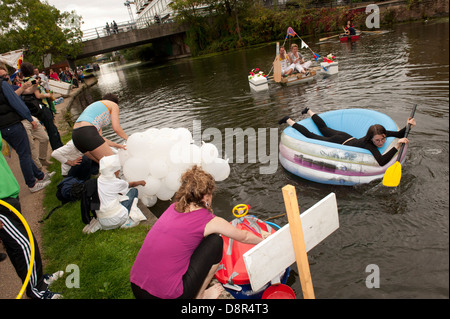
[(195, 154), (164, 193), (184, 135), (149, 201), (123, 156), (137, 144), (158, 168), (152, 186), (173, 181), (209, 153), (135, 169), (219, 169)]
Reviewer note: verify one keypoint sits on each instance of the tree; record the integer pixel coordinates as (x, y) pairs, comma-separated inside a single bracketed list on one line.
[(40, 29)]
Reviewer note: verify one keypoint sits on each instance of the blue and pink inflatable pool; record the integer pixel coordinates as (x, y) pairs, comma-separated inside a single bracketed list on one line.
[(331, 163)]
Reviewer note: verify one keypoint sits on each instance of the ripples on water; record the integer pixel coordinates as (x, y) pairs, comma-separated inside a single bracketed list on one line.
[(403, 230)]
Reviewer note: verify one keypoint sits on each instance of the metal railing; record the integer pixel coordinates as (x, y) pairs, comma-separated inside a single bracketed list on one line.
[(100, 32)]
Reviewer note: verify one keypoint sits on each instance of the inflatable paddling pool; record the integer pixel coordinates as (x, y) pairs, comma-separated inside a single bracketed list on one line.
[(232, 272), (331, 163)]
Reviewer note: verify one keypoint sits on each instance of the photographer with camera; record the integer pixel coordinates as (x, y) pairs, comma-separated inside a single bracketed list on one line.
[(33, 99)]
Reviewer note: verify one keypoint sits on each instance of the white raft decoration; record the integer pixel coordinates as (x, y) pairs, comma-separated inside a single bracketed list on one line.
[(331, 163), (329, 66)]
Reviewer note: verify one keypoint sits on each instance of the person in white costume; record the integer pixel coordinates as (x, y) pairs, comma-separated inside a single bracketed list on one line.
[(118, 199), (298, 60), (287, 67)]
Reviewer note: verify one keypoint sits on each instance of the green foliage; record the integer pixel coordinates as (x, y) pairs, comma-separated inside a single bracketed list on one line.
[(217, 28), (38, 28)]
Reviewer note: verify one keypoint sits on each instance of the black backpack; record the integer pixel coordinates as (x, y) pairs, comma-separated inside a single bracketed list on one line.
[(70, 189), (90, 201)]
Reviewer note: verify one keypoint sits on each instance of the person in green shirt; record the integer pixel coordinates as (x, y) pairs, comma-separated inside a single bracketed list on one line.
[(15, 238)]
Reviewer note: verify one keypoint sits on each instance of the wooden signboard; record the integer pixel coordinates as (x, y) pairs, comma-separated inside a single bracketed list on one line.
[(271, 257)]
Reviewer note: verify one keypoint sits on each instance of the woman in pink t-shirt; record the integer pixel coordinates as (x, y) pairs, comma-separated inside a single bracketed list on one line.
[(183, 250)]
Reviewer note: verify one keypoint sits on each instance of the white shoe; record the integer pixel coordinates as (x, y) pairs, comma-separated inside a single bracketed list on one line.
[(49, 279), (48, 176), (92, 227), (39, 185)]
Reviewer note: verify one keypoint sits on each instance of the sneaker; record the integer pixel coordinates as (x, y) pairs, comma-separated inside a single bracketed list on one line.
[(47, 176), (39, 185), (49, 279), (92, 227), (51, 295)]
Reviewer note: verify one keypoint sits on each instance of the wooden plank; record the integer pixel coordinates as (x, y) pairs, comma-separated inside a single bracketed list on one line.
[(298, 240), (268, 259)]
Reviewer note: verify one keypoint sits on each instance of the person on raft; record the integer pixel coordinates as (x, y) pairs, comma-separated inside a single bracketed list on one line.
[(86, 134), (298, 60), (374, 139), (287, 67), (349, 29), (183, 250)]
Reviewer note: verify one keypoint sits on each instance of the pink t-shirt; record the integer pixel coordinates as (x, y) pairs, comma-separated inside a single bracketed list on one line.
[(166, 252)]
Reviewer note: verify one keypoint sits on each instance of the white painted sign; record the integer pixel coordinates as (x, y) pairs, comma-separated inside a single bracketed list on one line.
[(269, 258)]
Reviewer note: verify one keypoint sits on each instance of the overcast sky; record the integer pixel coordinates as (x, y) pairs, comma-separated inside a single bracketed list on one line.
[(96, 13)]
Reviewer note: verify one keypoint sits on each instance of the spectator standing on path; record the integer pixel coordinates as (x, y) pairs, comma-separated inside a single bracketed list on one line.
[(12, 112), (39, 155), (32, 98)]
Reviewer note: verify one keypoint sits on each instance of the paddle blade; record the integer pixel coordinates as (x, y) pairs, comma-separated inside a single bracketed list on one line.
[(393, 175), (277, 70)]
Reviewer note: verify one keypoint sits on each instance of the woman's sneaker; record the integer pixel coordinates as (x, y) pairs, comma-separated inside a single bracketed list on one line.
[(39, 185)]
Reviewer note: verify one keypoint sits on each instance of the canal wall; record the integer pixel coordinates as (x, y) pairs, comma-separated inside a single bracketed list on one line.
[(403, 11)]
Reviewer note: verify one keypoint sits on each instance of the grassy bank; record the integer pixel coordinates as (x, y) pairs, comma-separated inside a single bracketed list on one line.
[(104, 259)]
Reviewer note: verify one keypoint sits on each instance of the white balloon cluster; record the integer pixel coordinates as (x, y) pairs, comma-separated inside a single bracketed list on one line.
[(161, 156)]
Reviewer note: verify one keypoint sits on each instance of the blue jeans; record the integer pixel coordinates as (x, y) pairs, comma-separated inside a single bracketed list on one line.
[(84, 171), (132, 194), (17, 138)]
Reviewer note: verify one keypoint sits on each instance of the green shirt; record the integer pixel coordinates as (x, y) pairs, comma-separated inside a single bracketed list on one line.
[(9, 187)]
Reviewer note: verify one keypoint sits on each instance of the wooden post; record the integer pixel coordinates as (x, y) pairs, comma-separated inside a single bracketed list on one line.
[(298, 241)]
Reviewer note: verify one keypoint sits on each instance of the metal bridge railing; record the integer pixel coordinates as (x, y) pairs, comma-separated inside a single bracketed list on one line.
[(100, 32)]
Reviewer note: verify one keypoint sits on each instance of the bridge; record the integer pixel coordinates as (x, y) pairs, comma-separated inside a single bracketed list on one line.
[(168, 35)]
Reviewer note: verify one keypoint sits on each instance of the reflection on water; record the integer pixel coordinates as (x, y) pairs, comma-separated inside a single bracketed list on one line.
[(403, 230)]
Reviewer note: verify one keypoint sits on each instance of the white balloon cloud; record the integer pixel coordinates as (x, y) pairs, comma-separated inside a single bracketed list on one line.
[(161, 156)]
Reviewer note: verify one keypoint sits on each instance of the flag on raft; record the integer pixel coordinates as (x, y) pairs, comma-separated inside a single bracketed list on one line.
[(290, 33), (316, 56), (304, 45)]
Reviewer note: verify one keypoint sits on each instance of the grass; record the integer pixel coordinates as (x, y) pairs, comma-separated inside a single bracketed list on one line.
[(104, 258)]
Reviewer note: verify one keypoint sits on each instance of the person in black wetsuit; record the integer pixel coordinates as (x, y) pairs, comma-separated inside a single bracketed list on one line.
[(375, 137)]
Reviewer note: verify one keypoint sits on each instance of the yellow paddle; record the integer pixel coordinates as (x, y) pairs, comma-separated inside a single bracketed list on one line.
[(393, 174)]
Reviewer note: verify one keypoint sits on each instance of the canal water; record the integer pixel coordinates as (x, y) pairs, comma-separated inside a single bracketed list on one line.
[(399, 235)]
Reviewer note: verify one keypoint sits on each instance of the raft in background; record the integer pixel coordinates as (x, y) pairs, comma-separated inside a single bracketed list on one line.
[(343, 38), (331, 163)]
